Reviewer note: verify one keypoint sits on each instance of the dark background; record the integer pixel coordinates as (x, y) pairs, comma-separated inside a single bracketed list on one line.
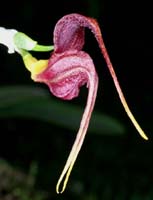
[(109, 166)]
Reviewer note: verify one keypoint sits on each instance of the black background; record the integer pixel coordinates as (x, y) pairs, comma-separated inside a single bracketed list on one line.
[(107, 163)]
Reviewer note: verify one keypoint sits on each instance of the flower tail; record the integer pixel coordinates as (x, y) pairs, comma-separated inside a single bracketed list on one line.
[(119, 90), (93, 85), (93, 25)]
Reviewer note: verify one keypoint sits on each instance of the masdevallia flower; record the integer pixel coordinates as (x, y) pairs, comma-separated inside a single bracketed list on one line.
[(69, 68)]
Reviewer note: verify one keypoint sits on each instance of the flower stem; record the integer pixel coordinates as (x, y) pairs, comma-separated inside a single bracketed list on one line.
[(43, 48)]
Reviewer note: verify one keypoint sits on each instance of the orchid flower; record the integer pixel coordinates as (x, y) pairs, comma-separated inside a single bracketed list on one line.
[(69, 68)]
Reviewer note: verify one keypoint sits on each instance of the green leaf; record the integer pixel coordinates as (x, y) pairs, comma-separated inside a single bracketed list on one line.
[(37, 103)]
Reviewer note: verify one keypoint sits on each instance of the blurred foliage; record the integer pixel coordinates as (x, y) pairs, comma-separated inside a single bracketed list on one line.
[(15, 184), (35, 103)]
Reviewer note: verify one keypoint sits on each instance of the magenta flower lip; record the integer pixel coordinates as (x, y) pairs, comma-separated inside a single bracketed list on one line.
[(69, 68)]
